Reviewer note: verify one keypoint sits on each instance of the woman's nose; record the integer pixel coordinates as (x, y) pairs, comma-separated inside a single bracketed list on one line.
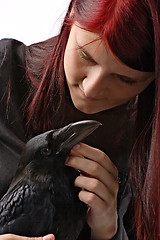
[(94, 84)]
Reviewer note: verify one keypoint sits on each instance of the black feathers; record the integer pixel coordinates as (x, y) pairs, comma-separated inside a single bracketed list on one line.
[(42, 198)]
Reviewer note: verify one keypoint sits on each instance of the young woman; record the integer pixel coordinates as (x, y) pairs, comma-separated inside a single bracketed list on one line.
[(104, 65)]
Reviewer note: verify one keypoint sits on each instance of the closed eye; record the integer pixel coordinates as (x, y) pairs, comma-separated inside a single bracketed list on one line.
[(127, 80), (85, 56)]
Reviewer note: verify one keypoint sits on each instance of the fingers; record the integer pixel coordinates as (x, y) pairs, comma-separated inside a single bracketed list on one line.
[(96, 155), (93, 169), (16, 237), (98, 181), (93, 201), (98, 215), (95, 186)]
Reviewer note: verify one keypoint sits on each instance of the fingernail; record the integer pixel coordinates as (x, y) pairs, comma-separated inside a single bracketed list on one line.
[(76, 147), (49, 237)]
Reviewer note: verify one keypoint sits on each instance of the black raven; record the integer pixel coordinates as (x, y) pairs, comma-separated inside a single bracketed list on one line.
[(42, 198)]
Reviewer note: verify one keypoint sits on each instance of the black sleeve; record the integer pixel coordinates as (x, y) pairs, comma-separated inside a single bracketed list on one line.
[(124, 201), (13, 87)]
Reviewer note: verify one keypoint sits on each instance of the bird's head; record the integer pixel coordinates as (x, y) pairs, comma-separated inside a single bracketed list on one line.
[(42, 150)]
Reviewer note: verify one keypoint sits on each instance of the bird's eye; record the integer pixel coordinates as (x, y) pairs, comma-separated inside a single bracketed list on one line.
[(46, 151)]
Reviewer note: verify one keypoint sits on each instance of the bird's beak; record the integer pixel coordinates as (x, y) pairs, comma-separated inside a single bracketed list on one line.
[(73, 133)]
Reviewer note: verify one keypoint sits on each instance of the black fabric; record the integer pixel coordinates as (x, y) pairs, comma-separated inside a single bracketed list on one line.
[(13, 88)]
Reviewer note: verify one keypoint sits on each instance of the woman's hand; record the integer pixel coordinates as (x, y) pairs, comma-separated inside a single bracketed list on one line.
[(15, 237), (98, 180)]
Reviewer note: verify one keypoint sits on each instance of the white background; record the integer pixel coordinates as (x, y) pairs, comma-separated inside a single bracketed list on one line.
[(31, 21)]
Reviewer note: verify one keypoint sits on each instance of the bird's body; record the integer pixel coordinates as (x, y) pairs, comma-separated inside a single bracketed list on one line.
[(42, 198)]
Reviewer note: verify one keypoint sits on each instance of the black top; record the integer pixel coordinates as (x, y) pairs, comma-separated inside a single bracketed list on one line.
[(113, 138)]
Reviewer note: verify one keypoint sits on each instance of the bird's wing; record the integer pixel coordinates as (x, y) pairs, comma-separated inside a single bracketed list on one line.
[(26, 210), (11, 204)]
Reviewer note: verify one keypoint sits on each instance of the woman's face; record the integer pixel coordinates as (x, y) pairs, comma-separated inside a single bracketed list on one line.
[(97, 80)]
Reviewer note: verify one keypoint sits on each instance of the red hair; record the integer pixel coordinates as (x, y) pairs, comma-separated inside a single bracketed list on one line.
[(131, 29), (48, 94), (125, 25)]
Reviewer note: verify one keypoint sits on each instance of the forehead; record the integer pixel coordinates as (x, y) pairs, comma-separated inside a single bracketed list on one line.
[(100, 51)]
